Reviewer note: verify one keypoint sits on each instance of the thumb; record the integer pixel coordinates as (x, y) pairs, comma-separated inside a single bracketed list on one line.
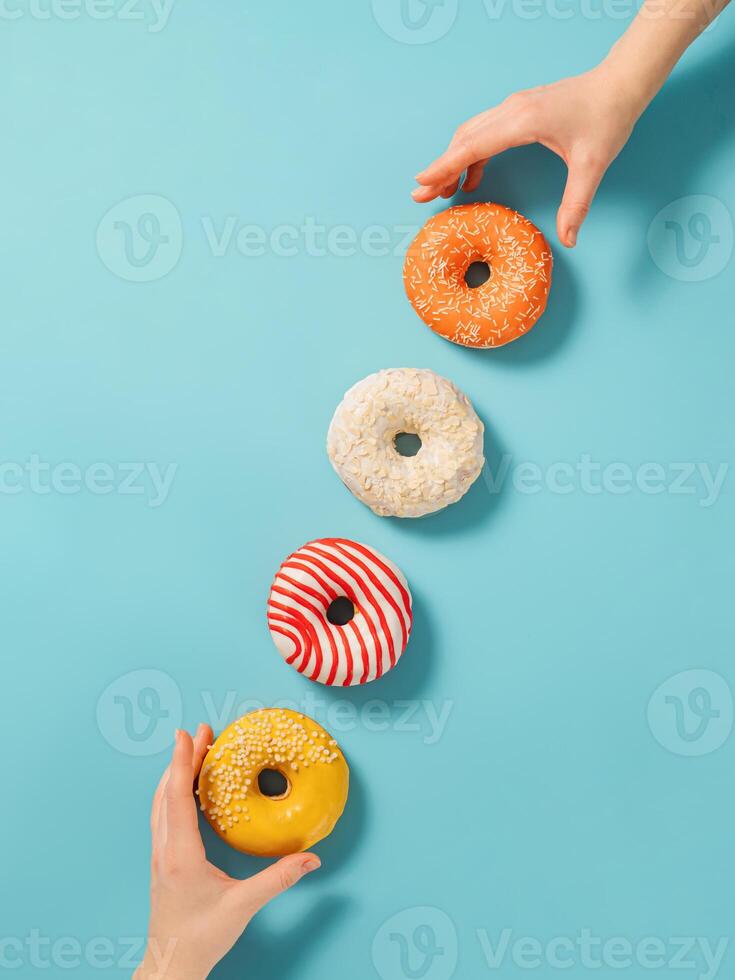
[(257, 891), (582, 184)]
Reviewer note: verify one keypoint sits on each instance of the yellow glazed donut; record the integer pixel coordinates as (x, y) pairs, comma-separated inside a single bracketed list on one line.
[(274, 783)]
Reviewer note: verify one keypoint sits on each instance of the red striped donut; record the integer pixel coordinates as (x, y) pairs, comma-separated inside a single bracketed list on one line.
[(339, 612)]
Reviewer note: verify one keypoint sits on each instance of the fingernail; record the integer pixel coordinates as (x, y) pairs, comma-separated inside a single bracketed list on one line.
[(415, 192), (419, 176), (311, 864), (572, 236), (200, 729)]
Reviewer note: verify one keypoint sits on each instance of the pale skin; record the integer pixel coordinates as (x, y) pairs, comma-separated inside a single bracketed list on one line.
[(586, 120), (197, 911)]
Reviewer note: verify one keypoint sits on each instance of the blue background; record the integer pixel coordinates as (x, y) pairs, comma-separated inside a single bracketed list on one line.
[(546, 620)]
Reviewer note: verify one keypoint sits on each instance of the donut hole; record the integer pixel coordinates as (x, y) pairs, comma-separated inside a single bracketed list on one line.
[(477, 273), (273, 784), (341, 611), (407, 443)]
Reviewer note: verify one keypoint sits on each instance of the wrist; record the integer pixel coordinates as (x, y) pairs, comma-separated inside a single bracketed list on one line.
[(160, 964), (156, 972), (630, 87)]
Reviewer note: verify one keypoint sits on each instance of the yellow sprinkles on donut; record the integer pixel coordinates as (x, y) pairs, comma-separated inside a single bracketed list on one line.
[(274, 782), (508, 303)]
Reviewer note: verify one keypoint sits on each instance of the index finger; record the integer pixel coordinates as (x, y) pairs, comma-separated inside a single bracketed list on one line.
[(480, 138)]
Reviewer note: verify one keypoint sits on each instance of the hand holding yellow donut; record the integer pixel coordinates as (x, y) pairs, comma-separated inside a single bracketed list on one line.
[(197, 911)]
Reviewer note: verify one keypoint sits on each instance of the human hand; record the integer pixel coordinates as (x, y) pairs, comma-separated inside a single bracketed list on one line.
[(197, 911), (586, 120)]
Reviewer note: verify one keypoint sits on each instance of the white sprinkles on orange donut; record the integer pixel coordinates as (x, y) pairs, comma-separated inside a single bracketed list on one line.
[(507, 304), (339, 612)]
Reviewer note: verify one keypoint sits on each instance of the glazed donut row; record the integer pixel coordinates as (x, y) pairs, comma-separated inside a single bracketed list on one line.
[(406, 442)]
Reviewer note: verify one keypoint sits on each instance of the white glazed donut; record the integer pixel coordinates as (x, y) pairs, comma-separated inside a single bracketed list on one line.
[(339, 612), (361, 442)]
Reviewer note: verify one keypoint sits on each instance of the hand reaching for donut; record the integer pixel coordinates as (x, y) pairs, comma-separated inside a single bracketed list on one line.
[(197, 911), (586, 120)]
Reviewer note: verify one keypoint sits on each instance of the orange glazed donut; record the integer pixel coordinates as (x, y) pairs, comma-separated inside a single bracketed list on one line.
[(488, 237)]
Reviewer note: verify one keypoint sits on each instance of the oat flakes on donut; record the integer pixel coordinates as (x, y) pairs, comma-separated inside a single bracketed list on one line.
[(373, 418), (339, 612), (490, 238)]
